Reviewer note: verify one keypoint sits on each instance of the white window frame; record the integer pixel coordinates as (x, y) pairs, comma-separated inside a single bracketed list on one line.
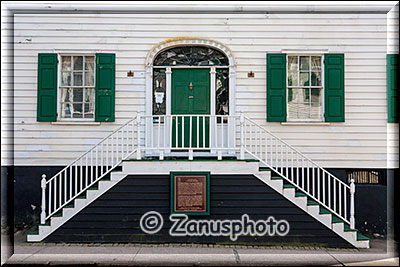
[(59, 75), (322, 87)]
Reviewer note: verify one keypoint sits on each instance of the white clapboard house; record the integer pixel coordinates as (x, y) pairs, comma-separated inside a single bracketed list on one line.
[(289, 110)]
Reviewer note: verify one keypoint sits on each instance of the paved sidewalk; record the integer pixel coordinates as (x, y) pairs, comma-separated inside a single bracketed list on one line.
[(199, 255)]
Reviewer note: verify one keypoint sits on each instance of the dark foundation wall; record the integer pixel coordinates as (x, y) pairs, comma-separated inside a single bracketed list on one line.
[(27, 195), (115, 216)]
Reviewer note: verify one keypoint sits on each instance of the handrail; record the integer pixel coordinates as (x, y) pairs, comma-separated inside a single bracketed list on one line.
[(301, 153), (299, 170), (212, 133), (87, 169)]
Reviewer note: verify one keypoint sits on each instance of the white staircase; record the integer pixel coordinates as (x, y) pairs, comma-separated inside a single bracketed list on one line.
[(298, 179)]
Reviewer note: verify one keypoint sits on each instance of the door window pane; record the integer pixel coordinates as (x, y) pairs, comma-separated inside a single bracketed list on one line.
[(159, 86), (222, 92)]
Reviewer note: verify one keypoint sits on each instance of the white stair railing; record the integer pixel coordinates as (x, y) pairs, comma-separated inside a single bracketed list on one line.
[(87, 169), (214, 134), (299, 170)]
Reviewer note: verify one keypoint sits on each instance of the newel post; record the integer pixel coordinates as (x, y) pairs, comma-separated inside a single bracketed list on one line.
[(43, 213), (138, 151), (352, 192), (241, 136)]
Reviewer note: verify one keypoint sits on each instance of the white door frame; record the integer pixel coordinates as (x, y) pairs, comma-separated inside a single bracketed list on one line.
[(190, 42)]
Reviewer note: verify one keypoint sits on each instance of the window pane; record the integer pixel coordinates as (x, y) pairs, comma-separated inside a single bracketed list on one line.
[(316, 78), (89, 110), (89, 78), (66, 79), (304, 79), (89, 63), (77, 78), (304, 63), (191, 56), (77, 111), (292, 71), (78, 62), (222, 92), (66, 95), (316, 104), (78, 95), (66, 63), (159, 105), (89, 95), (65, 110), (316, 63)]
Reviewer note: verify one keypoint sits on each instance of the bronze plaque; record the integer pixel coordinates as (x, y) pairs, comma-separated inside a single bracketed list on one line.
[(190, 193)]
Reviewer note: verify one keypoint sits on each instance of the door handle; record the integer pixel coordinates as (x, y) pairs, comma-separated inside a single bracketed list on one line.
[(190, 96)]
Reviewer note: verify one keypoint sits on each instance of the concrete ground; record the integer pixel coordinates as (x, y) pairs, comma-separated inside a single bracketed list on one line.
[(381, 253)]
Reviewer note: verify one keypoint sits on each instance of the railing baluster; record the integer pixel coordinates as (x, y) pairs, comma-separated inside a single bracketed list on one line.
[(51, 202), (329, 191), (81, 175), (65, 186), (340, 199), (43, 204), (334, 196), (76, 178), (204, 131), (159, 134), (183, 131)]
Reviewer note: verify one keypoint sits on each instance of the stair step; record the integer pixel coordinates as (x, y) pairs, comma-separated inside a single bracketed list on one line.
[(105, 179), (288, 186), (58, 214), (299, 194), (264, 169), (82, 196), (348, 229), (276, 178), (70, 206), (361, 237), (311, 203), (324, 211), (336, 219), (94, 187), (45, 224), (36, 232)]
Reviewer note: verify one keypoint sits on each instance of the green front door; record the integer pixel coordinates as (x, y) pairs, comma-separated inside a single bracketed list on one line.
[(190, 95)]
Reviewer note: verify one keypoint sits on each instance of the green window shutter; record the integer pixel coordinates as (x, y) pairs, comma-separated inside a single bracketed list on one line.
[(392, 65), (105, 87), (47, 87), (334, 87), (276, 87)]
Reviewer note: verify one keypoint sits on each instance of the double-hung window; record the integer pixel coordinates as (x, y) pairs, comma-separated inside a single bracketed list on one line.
[(304, 88), (77, 87)]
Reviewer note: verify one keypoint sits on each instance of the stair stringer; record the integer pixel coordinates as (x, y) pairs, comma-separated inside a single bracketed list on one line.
[(79, 204), (312, 210)]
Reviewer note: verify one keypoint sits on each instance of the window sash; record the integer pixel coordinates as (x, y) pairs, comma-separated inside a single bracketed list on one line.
[(61, 87), (297, 86)]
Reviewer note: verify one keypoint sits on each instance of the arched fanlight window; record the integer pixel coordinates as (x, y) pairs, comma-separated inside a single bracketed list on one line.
[(191, 56)]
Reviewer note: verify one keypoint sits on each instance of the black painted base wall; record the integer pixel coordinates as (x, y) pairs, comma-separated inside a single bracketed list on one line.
[(114, 217), (24, 194)]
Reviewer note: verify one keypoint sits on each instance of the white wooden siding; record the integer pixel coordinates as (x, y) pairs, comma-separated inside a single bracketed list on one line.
[(393, 48), (359, 142)]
